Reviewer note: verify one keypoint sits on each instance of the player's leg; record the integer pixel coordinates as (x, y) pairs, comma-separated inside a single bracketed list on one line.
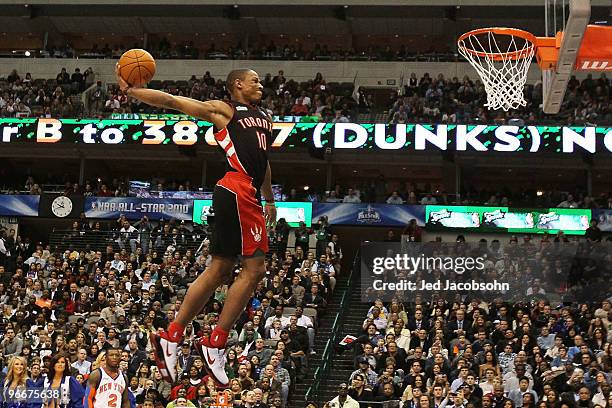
[(201, 290), (166, 343), (241, 291), (238, 296)]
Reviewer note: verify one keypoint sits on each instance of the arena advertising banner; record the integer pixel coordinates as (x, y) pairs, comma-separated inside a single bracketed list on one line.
[(504, 219), (19, 205), (604, 218), (403, 137), (136, 208), (384, 215), (292, 212)]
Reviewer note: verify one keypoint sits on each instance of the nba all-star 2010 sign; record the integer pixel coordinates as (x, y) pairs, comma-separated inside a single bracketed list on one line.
[(409, 137)]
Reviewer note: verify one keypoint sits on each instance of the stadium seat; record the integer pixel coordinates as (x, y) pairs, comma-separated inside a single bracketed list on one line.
[(333, 86), (155, 84), (347, 88), (311, 312), (168, 83), (271, 343), (93, 319)]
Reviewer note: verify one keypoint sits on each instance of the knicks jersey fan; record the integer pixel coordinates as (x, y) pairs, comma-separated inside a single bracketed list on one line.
[(242, 130), (106, 386)]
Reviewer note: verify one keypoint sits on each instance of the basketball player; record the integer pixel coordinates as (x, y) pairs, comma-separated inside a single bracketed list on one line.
[(242, 130), (106, 386)]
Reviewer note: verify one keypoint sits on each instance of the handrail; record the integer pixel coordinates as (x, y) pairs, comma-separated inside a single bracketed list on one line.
[(321, 372)]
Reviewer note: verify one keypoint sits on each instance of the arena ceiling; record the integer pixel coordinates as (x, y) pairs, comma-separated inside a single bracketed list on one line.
[(486, 3), (97, 17)]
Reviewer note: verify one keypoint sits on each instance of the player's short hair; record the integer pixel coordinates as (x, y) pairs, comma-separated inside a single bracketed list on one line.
[(113, 348), (233, 76)]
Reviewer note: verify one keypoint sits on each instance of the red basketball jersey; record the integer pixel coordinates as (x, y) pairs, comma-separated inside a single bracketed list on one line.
[(245, 141)]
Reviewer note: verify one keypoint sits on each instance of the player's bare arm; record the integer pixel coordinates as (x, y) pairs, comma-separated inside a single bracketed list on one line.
[(92, 385), (218, 113), (125, 398), (268, 195)]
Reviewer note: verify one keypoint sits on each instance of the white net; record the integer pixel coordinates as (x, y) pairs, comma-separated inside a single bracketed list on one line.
[(502, 61)]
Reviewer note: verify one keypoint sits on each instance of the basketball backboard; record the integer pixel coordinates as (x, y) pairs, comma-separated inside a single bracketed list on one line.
[(570, 17), (502, 55)]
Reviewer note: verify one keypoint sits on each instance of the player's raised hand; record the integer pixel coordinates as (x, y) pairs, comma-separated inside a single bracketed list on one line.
[(122, 84)]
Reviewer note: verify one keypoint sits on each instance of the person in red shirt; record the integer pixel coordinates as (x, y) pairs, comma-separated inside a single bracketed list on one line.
[(184, 385), (299, 109)]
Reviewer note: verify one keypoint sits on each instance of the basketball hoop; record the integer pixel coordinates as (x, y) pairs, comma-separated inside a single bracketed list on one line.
[(502, 57)]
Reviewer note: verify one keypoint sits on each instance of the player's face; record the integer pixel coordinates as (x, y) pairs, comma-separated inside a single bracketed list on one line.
[(251, 88), (112, 358)]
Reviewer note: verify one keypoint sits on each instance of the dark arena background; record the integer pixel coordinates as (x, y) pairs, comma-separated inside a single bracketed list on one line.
[(429, 251)]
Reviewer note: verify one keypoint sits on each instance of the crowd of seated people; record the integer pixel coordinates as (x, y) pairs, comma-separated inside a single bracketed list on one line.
[(421, 100), (379, 190), (25, 96), (502, 353), (405, 192), (281, 96), (80, 302), (270, 50), (451, 100)]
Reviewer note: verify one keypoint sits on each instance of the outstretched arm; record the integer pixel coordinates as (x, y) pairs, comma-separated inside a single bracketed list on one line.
[(217, 112)]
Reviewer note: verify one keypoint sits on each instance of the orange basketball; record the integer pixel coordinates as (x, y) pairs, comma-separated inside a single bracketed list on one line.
[(136, 67)]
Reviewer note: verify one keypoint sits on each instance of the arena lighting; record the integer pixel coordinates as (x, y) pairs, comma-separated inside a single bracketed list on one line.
[(27, 53), (539, 193), (306, 188)]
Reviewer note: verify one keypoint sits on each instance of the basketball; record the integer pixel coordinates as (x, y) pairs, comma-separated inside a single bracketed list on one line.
[(136, 67)]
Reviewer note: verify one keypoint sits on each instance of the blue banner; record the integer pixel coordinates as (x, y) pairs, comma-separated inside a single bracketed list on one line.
[(604, 217), (136, 208), (384, 215), (19, 205)]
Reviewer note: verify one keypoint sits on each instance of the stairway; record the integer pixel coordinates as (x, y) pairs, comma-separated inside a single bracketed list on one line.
[(323, 334), (342, 364)]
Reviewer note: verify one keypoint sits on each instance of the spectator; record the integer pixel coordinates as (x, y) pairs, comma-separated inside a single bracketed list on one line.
[(63, 78), (128, 235), (81, 365), (394, 198), (569, 202), (11, 345), (429, 200), (343, 399), (71, 392), (78, 81)]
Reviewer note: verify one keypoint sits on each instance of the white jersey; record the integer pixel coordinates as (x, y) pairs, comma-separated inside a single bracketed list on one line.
[(109, 392)]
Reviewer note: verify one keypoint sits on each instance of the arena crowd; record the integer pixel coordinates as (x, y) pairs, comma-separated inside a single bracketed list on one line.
[(420, 100), (533, 351), (76, 302)]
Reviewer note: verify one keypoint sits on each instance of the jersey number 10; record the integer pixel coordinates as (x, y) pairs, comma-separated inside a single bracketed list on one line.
[(261, 139)]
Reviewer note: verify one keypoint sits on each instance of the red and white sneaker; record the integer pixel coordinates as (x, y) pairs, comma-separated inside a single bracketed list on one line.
[(214, 361), (166, 356)]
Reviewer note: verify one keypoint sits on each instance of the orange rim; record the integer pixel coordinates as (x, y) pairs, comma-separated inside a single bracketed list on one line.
[(500, 56)]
